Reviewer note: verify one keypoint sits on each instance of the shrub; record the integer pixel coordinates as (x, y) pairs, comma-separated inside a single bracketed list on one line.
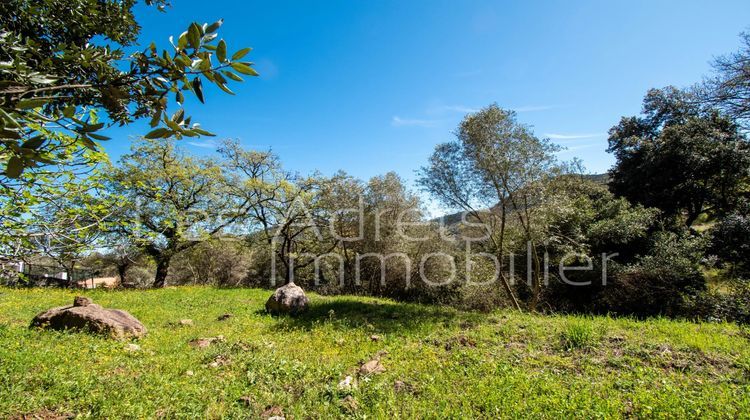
[(731, 242), (661, 282), (730, 306)]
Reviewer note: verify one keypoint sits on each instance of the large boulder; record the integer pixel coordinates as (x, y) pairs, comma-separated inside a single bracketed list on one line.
[(287, 299), (88, 316)]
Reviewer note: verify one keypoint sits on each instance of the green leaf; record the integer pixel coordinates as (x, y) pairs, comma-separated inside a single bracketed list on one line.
[(159, 133), (178, 116), (32, 103), (33, 143), (14, 168), (214, 26), (244, 69), (9, 134), (194, 35), (155, 119), (221, 51), (8, 119), (98, 136), (198, 89), (241, 53), (89, 128), (69, 111), (88, 143), (224, 88), (231, 75), (182, 41), (202, 132)]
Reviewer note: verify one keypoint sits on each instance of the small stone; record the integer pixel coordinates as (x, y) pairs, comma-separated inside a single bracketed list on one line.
[(273, 412), (189, 373), (202, 343), (219, 361), (349, 404), (224, 317), (346, 384), (186, 322), (132, 347), (466, 341), (371, 367), (82, 301), (399, 386), (375, 337)]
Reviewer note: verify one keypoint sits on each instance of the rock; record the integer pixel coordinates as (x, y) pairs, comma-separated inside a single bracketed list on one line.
[(288, 299), (371, 367), (219, 361), (349, 404), (82, 301), (224, 317), (189, 373), (186, 322), (375, 337), (88, 316), (273, 412), (347, 384), (131, 347), (202, 343), (399, 386)]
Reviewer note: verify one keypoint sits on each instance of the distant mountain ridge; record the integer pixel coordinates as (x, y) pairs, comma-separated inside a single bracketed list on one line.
[(455, 218)]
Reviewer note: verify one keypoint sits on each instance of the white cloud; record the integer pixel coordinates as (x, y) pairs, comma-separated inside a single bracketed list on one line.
[(208, 144), (532, 108), (556, 136), (397, 121)]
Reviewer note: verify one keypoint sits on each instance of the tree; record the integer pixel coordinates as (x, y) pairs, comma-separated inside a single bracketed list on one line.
[(283, 209), (69, 227), (729, 89), (60, 59), (679, 157), (500, 164), (53, 208), (170, 201)]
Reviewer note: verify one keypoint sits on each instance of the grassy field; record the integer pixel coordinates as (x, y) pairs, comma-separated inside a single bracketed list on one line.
[(447, 363)]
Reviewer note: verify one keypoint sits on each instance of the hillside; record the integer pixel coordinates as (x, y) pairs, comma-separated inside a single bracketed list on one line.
[(438, 362)]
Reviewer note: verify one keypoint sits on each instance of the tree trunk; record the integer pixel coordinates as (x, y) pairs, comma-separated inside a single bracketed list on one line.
[(162, 269), (121, 270)]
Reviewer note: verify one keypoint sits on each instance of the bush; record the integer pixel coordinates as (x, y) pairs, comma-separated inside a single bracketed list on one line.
[(731, 242), (139, 276), (731, 306), (660, 283)]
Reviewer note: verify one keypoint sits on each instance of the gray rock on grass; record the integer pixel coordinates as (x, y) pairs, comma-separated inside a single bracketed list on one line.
[(288, 299), (85, 315)]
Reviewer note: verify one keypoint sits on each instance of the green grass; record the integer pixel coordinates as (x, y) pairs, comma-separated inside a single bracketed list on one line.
[(453, 364)]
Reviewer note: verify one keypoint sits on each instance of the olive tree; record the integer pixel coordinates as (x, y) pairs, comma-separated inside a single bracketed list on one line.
[(170, 201), (494, 170)]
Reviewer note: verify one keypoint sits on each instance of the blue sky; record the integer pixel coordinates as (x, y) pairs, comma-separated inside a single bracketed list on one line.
[(372, 86)]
